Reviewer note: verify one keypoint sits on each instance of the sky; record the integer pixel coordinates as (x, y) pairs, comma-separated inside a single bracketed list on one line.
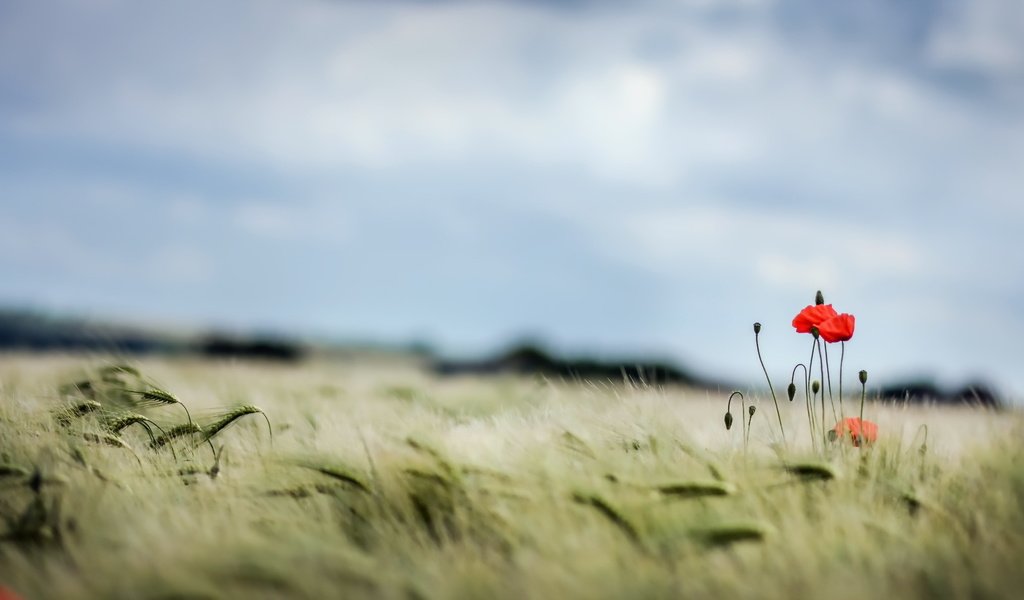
[(611, 178)]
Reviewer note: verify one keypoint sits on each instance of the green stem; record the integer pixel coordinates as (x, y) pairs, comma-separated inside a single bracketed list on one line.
[(757, 344), (842, 356), (746, 423), (863, 392), (814, 399), (807, 394), (821, 367), (728, 406), (792, 378), (828, 380), (728, 409)]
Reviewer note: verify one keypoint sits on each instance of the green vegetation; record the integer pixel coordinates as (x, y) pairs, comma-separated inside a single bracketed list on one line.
[(164, 480)]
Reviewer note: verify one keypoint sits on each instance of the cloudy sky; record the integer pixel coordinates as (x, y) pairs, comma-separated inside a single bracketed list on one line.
[(643, 177)]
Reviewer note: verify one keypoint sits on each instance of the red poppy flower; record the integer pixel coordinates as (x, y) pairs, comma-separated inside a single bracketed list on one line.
[(813, 316), (858, 430), (837, 329), (7, 594)]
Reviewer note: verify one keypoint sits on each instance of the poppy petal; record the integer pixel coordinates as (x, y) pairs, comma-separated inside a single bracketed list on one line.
[(812, 316), (837, 329), (860, 431)]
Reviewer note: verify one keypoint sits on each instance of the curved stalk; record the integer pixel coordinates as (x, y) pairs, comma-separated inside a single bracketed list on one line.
[(757, 333), (807, 389), (807, 395)]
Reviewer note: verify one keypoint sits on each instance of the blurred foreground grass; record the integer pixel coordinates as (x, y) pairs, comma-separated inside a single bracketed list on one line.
[(381, 481)]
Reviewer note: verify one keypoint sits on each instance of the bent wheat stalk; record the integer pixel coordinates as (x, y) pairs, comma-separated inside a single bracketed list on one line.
[(178, 431), (65, 415), (230, 417), (157, 397), (126, 420)]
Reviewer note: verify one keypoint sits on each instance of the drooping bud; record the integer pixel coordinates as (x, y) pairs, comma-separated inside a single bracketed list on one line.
[(819, 298), (757, 328), (791, 390), (815, 386), (863, 375), (728, 421)]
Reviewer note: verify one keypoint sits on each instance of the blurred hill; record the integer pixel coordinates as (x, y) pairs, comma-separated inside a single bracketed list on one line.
[(22, 329), (531, 359), (29, 330)]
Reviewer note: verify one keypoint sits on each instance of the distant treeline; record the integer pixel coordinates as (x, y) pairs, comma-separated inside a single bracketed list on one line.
[(529, 359), (976, 393), (28, 330), (37, 331)]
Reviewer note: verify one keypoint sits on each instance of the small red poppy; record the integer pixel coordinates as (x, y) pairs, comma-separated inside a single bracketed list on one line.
[(858, 430), (813, 316), (837, 329), (8, 594)]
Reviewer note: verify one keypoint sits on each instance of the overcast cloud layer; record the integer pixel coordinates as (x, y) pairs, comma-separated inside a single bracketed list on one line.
[(648, 177)]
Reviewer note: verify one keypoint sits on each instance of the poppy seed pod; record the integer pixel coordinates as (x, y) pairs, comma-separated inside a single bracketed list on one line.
[(815, 386), (815, 332), (791, 390), (819, 298), (757, 328), (728, 421), (863, 375)]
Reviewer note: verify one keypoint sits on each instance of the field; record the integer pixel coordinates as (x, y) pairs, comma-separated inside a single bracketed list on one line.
[(380, 481)]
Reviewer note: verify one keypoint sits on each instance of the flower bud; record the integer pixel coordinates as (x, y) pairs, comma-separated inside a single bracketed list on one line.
[(791, 390), (728, 421), (757, 328), (815, 386), (815, 332), (819, 298), (751, 409), (863, 375)]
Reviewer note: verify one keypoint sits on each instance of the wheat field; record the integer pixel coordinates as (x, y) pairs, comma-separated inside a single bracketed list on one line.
[(370, 478)]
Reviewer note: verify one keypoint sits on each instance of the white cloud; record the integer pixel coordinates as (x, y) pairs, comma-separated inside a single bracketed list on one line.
[(784, 271), (422, 85), (778, 248), (984, 35)]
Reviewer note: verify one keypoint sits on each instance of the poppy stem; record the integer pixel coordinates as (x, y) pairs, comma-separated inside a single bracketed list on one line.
[(757, 344), (814, 399), (750, 419), (842, 356), (743, 407), (728, 406), (746, 424), (863, 392), (821, 367), (728, 410), (807, 392), (792, 379), (828, 382)]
